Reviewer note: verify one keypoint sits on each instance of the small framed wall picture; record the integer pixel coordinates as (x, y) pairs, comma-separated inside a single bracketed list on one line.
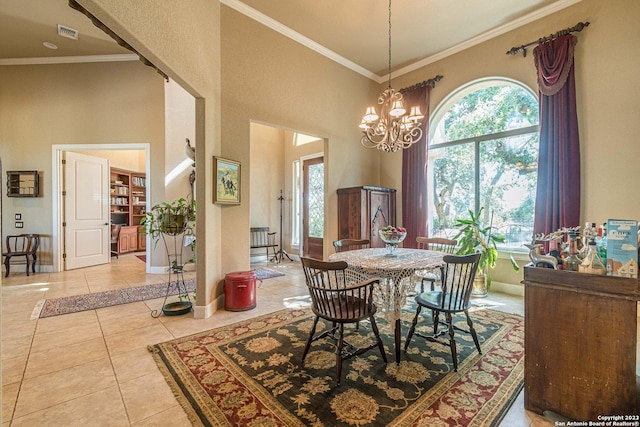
[(19, 224), (18, 217), (226, 177)]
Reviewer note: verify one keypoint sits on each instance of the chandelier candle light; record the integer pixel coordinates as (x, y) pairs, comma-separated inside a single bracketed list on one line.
[(393, 129)]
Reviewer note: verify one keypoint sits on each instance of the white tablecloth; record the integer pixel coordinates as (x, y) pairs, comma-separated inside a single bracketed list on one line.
[(395, 273)]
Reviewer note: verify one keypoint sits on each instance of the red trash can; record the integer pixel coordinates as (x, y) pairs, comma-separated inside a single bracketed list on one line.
[(240, 291)]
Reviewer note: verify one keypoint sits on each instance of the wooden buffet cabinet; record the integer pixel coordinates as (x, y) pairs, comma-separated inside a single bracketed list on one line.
[(362, 211), (580, 344)]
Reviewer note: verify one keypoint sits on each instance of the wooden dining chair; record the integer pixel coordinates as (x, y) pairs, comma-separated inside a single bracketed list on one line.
[(439, 244), (22, 245), (350, 244), (339, 302), (454, 297)]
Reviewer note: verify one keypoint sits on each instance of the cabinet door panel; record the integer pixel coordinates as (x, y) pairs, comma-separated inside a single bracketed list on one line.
[(362, 211)]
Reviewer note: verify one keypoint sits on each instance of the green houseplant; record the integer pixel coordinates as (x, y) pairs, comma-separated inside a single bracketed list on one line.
[(176, 218), (472, 237), (171, 218), (173, 222)]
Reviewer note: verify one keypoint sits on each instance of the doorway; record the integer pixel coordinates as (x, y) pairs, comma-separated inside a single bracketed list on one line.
[(313, 207), (58, 202), (276, 159)]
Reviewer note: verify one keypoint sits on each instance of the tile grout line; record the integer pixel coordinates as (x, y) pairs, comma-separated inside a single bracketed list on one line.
[(113, 369), (24, 371)]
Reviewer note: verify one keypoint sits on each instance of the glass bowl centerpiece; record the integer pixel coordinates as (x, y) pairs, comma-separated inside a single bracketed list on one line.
[(391, 236)]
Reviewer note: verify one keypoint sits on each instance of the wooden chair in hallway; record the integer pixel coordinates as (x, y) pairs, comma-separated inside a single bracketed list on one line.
[(454, 297), (439, 244), (22, 245), (350, 244), (115, 236), (339, 302)]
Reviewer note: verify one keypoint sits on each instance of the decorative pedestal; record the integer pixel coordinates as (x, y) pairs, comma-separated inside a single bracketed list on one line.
[(176, 270)]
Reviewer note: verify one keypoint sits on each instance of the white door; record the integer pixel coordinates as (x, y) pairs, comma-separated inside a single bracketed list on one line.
[(87, 234)]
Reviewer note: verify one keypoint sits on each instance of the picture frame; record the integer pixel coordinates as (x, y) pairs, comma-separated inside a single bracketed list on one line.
[(226, 178), (18, 217), (19, 224)]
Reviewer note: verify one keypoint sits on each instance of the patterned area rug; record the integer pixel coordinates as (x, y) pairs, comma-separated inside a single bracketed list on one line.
[(250, 373), (73, 304), (266, 273)]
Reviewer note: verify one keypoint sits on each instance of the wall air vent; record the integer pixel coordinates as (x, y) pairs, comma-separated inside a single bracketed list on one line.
[(67, 32)]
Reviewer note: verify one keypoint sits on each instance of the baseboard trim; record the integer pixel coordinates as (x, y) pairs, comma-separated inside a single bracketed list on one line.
[(203, 312), (157, 270), (507, 288)]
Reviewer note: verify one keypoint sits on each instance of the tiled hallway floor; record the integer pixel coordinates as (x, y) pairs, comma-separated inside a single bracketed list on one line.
[(92, 368)]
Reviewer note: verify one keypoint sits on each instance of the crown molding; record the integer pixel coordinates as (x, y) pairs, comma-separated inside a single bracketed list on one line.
[(69, 59), (510, 26), (250, 12)]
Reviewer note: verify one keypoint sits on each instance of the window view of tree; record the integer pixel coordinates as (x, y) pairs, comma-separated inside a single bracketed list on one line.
[(484, 153)]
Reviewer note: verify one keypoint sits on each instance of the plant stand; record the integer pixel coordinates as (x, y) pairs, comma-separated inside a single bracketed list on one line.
[(176, 270)]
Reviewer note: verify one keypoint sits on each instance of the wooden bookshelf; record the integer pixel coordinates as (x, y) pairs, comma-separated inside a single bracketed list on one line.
[(120, 193), (138, 197), (128, 206), (128, 194)]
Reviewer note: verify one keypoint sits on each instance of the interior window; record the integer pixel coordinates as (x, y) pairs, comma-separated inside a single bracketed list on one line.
[(483, 153)]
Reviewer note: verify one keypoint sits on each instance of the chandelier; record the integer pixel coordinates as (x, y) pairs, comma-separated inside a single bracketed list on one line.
[(392, 130)]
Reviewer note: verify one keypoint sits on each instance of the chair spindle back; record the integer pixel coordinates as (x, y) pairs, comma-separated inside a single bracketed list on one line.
[(332, 297), (350, 244), (457, 280), (439, 244), (27, 243)]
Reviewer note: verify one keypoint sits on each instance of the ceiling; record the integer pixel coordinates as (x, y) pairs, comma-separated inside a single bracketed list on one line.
[(352, 32)]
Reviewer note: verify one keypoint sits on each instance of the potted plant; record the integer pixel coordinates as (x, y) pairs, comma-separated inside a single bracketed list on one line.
[(171, 218), (173, 221), (473, 237)]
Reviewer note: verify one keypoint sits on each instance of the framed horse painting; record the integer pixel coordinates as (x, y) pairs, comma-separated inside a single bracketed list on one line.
[(226, 177)]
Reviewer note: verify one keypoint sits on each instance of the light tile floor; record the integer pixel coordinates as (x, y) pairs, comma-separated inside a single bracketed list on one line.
[(92, 368)]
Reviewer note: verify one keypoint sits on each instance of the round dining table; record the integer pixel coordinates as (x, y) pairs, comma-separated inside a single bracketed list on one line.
[(395, 273)]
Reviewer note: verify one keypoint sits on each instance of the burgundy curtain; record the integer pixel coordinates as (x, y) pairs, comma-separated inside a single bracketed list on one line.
[(558, 192), (414, 172)]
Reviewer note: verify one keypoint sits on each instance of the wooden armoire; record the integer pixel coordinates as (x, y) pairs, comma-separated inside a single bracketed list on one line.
[(362, 211)]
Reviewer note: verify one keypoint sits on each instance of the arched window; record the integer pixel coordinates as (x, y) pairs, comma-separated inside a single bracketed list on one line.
[(483, 153)]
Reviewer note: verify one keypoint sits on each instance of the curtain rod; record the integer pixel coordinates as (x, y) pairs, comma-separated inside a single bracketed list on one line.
[(75, 5), (431, 82), (576, 28)]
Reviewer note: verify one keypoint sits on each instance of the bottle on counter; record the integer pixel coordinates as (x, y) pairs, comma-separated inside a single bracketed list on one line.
[(601, 244), (592, 262), (589, 233), (572, 261)]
